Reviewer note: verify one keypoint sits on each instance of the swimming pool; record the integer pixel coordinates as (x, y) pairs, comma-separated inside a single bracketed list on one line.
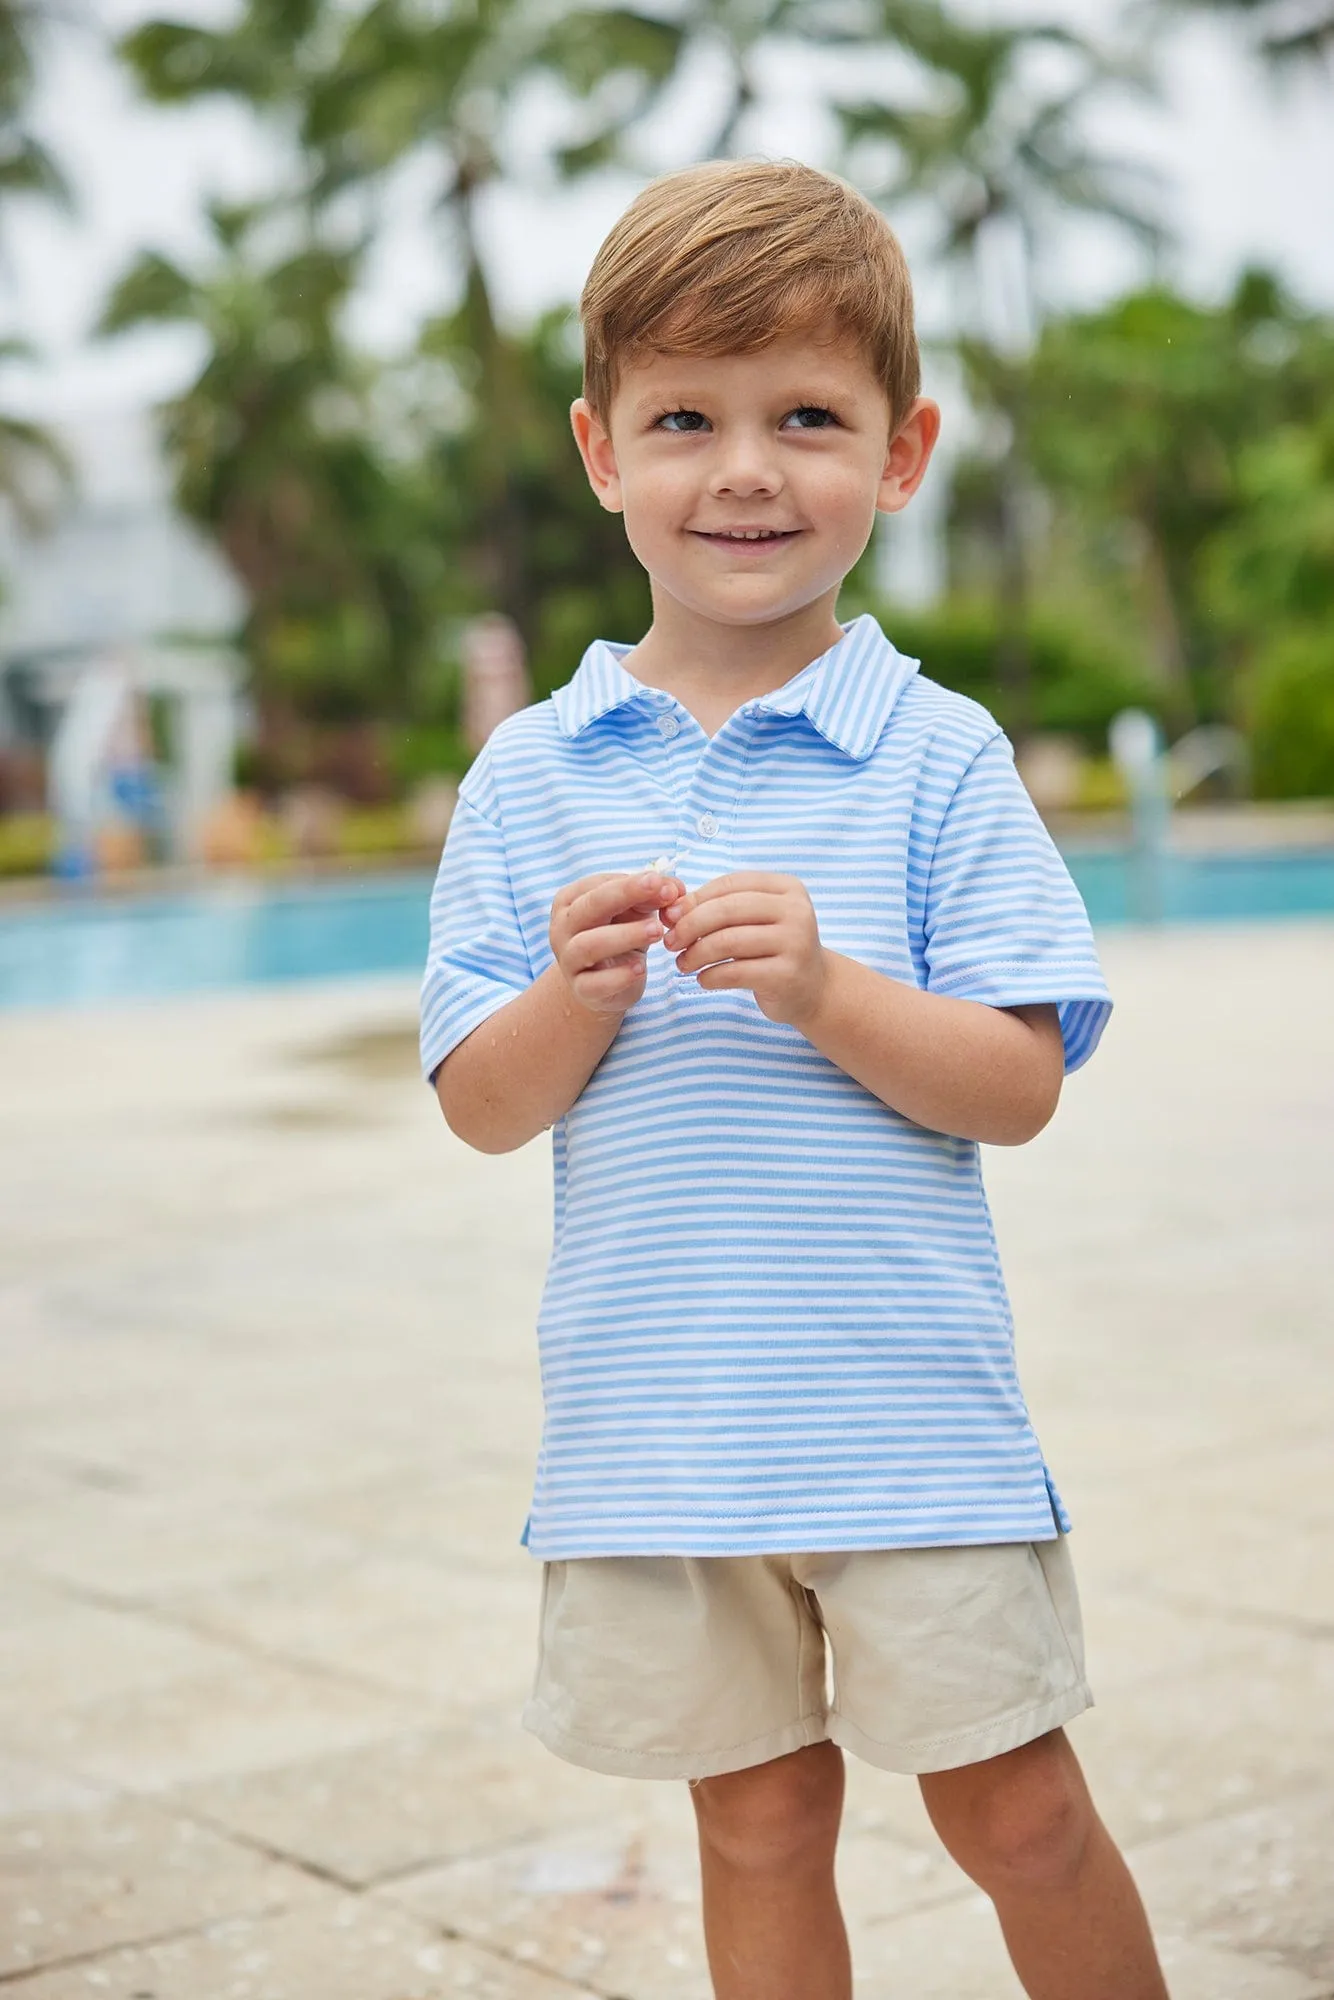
[(82, 948)]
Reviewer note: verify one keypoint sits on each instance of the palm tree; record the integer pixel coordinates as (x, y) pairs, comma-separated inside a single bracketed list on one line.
[(26, 167), (623, 61), (1286, 32), (1148, 418), (271, 448), (33, 467), (360, 93), (402, 82), (998, 145), (996, 157)]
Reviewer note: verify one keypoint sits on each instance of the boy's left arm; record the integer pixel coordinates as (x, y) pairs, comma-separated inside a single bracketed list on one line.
[(958, 1066)]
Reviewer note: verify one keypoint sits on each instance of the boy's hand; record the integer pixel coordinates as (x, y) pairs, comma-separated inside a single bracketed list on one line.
[(754, 931), (601, 929)]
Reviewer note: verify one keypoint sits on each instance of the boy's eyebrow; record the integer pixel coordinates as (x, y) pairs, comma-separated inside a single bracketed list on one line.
[(669, 398)]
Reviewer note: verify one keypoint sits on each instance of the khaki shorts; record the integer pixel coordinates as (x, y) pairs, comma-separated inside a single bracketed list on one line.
[(914, 1659)]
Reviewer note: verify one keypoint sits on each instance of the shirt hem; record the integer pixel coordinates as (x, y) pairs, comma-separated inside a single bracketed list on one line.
[(803, 1539)]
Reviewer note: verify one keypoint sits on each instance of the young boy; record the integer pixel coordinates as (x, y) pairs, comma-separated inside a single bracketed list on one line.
[(760, 922)]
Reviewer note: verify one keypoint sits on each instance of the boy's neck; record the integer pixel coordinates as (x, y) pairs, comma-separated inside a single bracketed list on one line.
[(713, 669)]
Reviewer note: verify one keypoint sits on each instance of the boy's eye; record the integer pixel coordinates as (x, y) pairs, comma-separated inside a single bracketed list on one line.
[(682, 420), (810, 417)]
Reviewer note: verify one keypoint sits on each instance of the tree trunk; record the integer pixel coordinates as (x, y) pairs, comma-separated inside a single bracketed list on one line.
[(503, 551), (1014, 656), (1165, 626)]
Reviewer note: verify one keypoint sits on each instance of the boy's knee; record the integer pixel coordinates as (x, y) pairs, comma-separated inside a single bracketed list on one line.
[(1018, 1823), (775, 1818)]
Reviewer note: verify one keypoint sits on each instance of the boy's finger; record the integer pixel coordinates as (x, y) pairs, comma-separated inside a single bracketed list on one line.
[(607, 984), (593, 947), (666, 889), (566, 898), (743, 880), (742, 907), (749, 941), (615, 894)]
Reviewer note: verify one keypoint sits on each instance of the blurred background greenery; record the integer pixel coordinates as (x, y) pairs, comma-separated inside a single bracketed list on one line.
[(1142, 512)]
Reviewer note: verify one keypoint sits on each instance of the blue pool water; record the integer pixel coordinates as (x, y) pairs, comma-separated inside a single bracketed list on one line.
[(82, 948)]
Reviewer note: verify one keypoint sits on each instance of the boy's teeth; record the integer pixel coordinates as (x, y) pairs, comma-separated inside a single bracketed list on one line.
[(750, 534)]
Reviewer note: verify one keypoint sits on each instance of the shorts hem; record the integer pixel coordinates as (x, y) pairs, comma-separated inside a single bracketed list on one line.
[(966, 1746), (614, 1762)]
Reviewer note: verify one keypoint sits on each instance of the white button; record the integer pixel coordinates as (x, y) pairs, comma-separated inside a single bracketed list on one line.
[(669, 726), (706, 826)]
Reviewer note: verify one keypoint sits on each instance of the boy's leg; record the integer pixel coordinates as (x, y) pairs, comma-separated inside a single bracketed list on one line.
[(772, 1925), (1024, 1827)]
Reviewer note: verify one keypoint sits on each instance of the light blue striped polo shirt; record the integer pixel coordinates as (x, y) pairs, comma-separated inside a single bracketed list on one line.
[(774, 1318)]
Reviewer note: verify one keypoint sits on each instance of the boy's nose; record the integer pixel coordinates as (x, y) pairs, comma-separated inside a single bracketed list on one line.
[(744, 471)]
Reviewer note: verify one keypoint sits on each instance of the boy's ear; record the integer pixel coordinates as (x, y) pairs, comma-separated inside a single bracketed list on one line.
[(594, 442), (908, 456)]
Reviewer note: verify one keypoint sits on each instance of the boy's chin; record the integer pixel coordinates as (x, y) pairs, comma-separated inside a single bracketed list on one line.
[(743, 608)]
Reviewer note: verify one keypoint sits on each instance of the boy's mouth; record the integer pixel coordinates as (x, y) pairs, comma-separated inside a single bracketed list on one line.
[(746, 537)]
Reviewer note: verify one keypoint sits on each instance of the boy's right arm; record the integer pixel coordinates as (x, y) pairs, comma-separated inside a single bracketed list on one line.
[(526, 1064)]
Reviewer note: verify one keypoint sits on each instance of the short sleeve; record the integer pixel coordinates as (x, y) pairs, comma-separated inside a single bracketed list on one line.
[(1003, 922), (477, 960)]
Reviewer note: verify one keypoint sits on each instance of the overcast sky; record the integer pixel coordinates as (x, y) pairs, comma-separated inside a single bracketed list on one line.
[(1249, 168)]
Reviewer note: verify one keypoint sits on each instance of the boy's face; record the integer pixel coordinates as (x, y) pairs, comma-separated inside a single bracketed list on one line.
[(750, 482)]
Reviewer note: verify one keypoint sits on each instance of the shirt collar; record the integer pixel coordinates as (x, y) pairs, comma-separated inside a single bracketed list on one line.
[(847, 694)]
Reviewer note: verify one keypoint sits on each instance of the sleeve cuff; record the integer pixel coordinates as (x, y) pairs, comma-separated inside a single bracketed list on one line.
[(443, 1029), (1083, 1004)]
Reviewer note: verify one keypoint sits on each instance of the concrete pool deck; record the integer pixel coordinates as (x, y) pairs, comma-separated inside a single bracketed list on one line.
[(267, 1413)]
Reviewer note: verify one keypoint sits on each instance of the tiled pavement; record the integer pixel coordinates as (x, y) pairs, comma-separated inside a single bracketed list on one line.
[(267, 1412)]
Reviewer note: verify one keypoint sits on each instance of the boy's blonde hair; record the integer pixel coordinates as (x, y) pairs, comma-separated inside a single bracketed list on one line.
[(726, 257)]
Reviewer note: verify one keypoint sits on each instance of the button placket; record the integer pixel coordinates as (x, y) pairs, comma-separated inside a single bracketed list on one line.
[(716, 787)]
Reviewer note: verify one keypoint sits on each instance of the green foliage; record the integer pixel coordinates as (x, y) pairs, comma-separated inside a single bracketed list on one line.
[(1274, 562), (1284, 33), (995, 153), (275, 453), (999, 135), (369, 833), (1290, 711), (1080, 679), (583, 47), (572, 576), (1163, 465), (1271, 573), (27, 843), (34, 470), (264, 57), (1166, 432), (428, 750), (494, 498), (26, 166)]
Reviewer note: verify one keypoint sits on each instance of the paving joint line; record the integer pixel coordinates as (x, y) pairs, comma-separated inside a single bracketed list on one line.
[(103, 1951), (253, 1843), (585, 1986), (247, 1649)]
